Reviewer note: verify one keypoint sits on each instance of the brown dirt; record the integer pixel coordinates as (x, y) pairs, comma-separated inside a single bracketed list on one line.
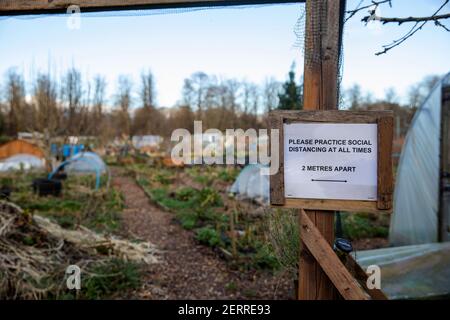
[(188, 270)]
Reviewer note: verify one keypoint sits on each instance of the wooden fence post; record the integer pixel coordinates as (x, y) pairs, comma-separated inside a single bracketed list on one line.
[(322, 51)]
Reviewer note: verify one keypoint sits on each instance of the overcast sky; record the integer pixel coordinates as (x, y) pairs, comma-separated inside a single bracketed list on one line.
[(246, 43)]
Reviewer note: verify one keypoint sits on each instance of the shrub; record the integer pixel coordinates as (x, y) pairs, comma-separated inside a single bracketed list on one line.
[(209, 197), (265, 258), (363, 225), (185, 194), (113, 277), (208, 236), (188, 220)]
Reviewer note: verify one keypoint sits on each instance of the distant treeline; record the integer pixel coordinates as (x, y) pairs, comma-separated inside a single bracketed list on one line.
[(71, 106)]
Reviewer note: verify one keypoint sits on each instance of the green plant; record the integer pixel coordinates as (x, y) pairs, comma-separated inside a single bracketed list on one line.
[(188, 220), (143, 182), (79, 204), (65, 221), (203, 211), (185, 194), (283, 234), (364, 225), (51, 204), (203, 179), (265, 258), (209, 197), (167, 200), (208, 236), (163, 177), (105, 211), (231, 286), (228, 174), (208, 215), (112, 277)]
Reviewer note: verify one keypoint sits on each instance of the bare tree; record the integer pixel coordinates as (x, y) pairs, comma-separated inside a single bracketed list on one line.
[(354, 97), (195, 90), (250, 97), (15, 96), (84, 117), (270, 91), (181, 117), (123, 101), (232, 87), (371, 6), (148, 94), (391, 96), (418, 92), (98, 100), (72, 94), (147, 119), (45, 100)]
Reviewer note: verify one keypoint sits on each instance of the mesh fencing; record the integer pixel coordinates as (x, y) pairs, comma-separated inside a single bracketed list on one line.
[(305, 43)]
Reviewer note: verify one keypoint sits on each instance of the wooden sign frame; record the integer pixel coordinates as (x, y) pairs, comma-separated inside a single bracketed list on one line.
[(384, 121)]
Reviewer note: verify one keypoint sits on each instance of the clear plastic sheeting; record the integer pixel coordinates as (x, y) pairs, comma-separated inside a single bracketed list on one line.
[(146, 141), (416, 196), (411, 272), (251, 184), (85, 162), (22, 162)]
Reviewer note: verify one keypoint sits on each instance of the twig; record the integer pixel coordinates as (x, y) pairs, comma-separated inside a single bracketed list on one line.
[(374, 5), (418, 25), (419, 22), (439, 24)]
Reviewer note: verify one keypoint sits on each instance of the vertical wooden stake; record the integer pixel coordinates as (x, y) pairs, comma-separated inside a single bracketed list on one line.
[(322, 51), (444, 169)]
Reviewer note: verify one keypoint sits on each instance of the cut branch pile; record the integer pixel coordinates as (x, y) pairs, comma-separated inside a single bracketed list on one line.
[(89, 240), (35, 252)]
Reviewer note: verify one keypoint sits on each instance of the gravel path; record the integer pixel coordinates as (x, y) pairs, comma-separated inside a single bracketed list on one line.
[(188, 270)]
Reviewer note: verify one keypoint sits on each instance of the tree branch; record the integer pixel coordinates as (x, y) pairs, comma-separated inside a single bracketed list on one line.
[(385, 20), (419, 22), (373, 5), (418, 25)]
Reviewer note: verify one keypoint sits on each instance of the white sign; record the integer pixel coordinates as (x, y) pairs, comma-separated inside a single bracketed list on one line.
[(330, 161)]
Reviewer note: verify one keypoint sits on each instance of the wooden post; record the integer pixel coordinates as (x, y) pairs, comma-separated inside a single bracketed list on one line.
[(341, 278), (444, 178), (322, 51)]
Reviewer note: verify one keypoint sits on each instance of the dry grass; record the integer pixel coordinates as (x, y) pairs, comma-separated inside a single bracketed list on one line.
[(34, 253), (283, 233)]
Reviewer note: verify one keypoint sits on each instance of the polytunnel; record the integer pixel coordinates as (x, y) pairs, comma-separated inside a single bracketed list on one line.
[(20, 154), (22, 161), (421, 197), (251, 184), (83, 163)]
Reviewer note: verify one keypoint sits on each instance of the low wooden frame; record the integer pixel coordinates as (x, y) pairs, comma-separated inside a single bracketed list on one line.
[(384, 120)]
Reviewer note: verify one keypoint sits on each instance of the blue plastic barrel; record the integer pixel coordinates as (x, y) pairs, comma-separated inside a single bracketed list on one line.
[(66, 150)]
